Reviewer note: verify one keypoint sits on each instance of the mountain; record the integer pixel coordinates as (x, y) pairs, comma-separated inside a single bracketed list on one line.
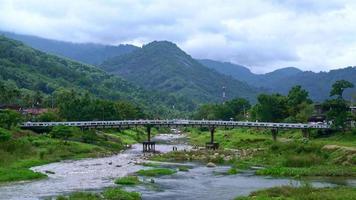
[(162, 66), (85, 52), (281, 80), (33, 70)]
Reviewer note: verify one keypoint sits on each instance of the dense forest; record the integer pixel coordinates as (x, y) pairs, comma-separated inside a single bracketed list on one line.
[(163, 66), (31, 78)]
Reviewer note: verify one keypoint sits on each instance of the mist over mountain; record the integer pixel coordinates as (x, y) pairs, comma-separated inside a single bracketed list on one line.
[(89, 53), (162, 66), (317, 84)]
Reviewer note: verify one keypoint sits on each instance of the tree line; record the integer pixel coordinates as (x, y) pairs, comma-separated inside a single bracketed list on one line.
[(294, 107)]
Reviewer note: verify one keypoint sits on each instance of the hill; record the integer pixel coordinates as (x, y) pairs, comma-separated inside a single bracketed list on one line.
[(35, 71), (162, 66), (281, 80), (85, 52)]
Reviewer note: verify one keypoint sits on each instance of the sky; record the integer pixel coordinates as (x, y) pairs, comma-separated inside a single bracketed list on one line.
[(264, 35)]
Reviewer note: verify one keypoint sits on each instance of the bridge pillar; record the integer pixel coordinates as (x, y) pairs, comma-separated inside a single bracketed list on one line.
[(149, 146), (212, 145), (306, 133), (274, 134)]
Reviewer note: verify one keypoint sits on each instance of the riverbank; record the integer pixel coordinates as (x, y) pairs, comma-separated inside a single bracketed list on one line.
[(291, 155), (302, 193), (26, 149)]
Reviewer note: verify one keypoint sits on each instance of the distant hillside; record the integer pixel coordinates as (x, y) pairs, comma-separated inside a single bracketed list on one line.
[(164, 67), (37, 71), (281, 80), (84, 52)]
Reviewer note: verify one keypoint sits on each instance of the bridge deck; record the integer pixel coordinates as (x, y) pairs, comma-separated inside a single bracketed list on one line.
[(202, 123)]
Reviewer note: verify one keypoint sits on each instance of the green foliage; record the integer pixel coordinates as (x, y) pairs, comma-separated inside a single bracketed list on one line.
[(50, 116), (5, 135), (302, 193), (233, 109), (303, 160), (10, 118), (232, 171), (162, 66), (271, 108), (338, 112), (183, 168), (127, 180), (338, 88), (156, 172), (120, 194), (63, 132), (107, 194), (31, 78)]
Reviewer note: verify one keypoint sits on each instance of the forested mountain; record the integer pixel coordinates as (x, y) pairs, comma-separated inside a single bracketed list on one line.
[(161, 65), (85, 52), (33, 71), (282, 80)]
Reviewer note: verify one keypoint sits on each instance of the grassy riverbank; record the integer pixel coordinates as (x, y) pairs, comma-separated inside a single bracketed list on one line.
[(107, 194), (302, 193), (26, 149), (291, 155)]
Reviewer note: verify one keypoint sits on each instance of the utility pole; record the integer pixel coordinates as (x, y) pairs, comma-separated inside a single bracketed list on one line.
[(223, 94)]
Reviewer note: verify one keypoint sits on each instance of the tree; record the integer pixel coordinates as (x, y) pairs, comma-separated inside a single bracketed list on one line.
[(270, 108), (337, 112), (338, 88), (298, 104), (10, 118), (49, 117)]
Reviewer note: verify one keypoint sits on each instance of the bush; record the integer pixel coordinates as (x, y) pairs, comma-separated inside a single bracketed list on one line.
[(5, 135), (9, 118)]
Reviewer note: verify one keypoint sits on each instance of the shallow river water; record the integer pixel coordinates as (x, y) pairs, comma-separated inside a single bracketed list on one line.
[(95, 174)]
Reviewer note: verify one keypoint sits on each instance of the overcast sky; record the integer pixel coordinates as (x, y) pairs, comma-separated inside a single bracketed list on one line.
[(261, 34)]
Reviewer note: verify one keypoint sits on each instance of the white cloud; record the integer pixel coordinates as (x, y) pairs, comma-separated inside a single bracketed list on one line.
[(264, 35)]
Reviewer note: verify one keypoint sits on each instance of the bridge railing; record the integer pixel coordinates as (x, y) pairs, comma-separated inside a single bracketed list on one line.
[(216, 123)]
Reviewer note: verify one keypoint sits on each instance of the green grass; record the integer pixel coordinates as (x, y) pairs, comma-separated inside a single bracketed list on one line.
[(183, 168), (128, 180), (291, 155), (302, 193), (108, 194), (232, 171), (27, 149), (156, 172)]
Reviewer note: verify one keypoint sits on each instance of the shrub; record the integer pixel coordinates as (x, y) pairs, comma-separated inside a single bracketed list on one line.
[(5, 135)]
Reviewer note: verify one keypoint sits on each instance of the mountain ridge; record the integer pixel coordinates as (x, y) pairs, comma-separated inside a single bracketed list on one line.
[(182, 74)]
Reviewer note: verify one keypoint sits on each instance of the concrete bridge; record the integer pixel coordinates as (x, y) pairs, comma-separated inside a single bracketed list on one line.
[(211, 124)]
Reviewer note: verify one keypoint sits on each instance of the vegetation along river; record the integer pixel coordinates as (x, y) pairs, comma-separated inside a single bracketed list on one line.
[(200, 182)]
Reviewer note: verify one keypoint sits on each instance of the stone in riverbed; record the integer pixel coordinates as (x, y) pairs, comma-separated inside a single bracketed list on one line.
[(210, 164)]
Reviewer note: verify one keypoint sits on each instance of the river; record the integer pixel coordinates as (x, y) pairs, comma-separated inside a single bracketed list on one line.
[(199, 182)]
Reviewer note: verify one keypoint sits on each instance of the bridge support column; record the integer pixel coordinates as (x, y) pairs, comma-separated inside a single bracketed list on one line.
[(149, 146), (274, 134), (306, 133), (212, 145)]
